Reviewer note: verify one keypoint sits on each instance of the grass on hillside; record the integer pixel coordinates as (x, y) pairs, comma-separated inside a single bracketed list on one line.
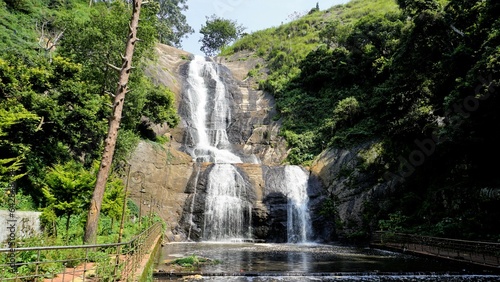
[(284, 47), (297, 38)]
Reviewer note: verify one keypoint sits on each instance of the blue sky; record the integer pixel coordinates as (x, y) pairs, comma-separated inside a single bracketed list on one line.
[(252, 14)]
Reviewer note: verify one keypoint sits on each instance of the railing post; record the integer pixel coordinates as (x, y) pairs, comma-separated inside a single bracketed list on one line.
[(37, 262), (85, 260), (74, 269), (64, 271), (117, 262)]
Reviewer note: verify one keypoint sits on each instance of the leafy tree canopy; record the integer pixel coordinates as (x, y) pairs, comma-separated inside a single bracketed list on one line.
[(172, 25), (56, 70), (218, 33)]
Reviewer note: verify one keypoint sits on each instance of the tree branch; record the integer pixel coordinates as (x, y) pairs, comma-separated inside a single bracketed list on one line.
[(114, 67)]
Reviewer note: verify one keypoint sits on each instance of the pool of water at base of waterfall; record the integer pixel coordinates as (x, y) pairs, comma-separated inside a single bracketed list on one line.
[(259, 262)]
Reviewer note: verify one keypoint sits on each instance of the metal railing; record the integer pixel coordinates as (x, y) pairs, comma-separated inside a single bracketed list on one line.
[(484, 253), (104, 262)]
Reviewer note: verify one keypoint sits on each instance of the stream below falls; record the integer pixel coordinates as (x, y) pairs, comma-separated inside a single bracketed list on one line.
[(307, 262)]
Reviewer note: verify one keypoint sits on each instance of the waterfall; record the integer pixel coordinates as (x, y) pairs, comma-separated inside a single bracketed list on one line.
[(229, 195), (208, 114), (292, 182), (227, 206), (191, 208), (299, 221), (227, 209)]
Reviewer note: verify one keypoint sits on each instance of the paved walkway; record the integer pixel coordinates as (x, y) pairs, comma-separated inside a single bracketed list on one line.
[(75, 274)]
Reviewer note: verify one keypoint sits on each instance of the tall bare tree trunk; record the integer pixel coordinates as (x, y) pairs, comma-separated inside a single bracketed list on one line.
[(114, 123)]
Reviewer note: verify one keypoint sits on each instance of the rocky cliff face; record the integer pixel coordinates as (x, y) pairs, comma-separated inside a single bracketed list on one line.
[(172, 184), (352, 188), (252, 128), (165, 180), (269, 213), (157, 182), (256, 110)]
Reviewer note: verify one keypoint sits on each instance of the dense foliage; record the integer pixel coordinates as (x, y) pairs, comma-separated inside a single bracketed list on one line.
[(55, 85), (218, 33), (418, 80), (172, 24)]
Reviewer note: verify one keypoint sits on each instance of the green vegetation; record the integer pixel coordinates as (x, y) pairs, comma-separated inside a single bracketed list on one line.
[(294, 51), (56, 81), (172, 25), (67, 190), (187, 261), (54, 261), (218, 33), (418, 79), (193, 261)]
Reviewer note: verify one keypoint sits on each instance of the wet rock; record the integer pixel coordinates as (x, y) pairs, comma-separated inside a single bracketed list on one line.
[(351, 188), (277, 204)]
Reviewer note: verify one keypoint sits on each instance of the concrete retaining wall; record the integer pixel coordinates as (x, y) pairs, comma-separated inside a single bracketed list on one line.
[(27, 224)]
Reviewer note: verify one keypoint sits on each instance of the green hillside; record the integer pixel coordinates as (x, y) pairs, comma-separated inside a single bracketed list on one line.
[(286, 47), (55, 85), (418, 80)]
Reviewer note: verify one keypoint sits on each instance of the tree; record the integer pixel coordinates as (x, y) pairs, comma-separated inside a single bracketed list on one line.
[(67, 190), (346, 110), (218, 33), (107, 25), (114, 124), (415, 7), (172, 26), (113, 199), (315, 9), (12, 154)]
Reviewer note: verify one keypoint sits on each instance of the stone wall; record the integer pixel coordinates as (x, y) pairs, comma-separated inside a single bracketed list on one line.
[(27, 225)]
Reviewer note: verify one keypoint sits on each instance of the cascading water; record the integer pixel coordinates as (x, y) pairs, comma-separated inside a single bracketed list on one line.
[(193, 200), (228, 213), (292, 183), (208, 114), (299, 220), (227, 208), (229, 197)]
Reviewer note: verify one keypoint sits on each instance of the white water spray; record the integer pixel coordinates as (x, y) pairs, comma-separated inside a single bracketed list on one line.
[(208, 114), (228, 206), (227, 209), (299, 220), (292, 182)]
